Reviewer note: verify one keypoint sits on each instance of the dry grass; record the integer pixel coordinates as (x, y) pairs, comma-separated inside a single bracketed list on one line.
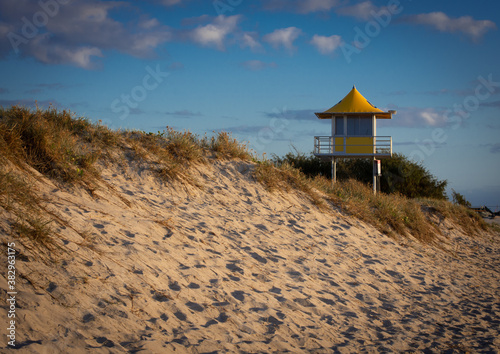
[(66, 148), (226, 147), (470, 221), (18, 198), (391, 214), (55, 143), (395, 214), (15, 191), (286, 178)]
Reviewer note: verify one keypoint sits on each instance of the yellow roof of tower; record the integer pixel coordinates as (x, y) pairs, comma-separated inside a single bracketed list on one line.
[(353, 104)]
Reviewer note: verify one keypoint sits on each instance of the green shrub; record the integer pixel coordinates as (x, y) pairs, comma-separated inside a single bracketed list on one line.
[(399, 174), (459, 199)]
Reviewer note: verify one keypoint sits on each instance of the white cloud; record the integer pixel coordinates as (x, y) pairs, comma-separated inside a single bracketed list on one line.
[(149, 23), (300, 6), (474, 29), (418, 117), (326, 45), (362, 11), (214, 34), (307, 6), (283, 37), (184, 113), (81, 31), (257, 65), (171, 2), (249, 39), (432, 118), (61, 54)]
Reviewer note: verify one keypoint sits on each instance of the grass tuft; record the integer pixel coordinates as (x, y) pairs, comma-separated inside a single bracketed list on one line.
[(226, 147), (18, 198), (51, 142), (470, 221), (391, 214), (395, 214), (36, 228), (285, 177)]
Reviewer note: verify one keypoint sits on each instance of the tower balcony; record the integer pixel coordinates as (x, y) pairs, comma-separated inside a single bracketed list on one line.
[(353, 146)]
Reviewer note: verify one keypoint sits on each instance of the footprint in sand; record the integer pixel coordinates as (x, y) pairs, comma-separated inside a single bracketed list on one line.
[(261, 227), (304, 302), (128, 233), (183, 266), (180, 316), (223, 317), (88, 318), (272, 324), (234, 268), (195, 306), (174, 286), (238, 295), (168, 234), (327, 301), (105, 342), (159, 296), (275, 290), (210, 323), (52, 286), (258, 257), (295, 275)]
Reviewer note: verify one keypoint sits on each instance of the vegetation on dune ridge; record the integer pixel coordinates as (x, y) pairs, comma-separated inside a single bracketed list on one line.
[(400, 175), (66, 148)]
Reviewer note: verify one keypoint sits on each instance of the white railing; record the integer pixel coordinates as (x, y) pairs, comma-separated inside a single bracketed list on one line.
[(325, 146)]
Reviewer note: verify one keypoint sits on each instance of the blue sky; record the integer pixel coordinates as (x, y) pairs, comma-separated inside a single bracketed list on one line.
[(260, 69)]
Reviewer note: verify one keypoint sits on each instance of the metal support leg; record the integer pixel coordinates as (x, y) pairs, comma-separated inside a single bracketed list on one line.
[(334, 171)]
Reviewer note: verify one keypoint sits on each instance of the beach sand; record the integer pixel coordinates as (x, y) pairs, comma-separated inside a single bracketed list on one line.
[(227, 267), (494, 220)]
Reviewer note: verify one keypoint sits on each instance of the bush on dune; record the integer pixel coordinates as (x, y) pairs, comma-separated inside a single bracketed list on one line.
[(399, 174)]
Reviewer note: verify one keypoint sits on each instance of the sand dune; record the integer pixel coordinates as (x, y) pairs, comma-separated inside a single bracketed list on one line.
[(229, 267)]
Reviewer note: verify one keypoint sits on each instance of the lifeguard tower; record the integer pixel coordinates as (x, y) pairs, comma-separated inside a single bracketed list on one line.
[(354, 133)]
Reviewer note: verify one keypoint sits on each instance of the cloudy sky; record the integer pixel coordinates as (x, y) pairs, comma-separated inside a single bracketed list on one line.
[(261, 68)]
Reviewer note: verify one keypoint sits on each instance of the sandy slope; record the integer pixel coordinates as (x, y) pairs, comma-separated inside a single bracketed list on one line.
[(232, 268)]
